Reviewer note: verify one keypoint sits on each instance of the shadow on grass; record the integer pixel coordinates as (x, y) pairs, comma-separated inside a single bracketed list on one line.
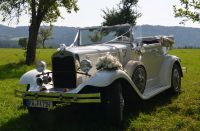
[(61, 119), (12, 70), (86, 118)]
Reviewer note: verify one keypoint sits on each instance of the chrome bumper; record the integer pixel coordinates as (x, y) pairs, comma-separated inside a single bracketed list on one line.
[(59, 97)]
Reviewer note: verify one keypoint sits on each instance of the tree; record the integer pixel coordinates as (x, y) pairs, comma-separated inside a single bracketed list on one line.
[(23, 43), (125, 13), (38, 10), (45, 33), (189, 10)]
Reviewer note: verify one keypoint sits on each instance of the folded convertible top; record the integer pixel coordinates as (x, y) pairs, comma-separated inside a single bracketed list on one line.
[(167, 41)]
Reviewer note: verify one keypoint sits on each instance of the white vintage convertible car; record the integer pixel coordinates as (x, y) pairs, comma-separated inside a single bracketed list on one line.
[(104, 65)]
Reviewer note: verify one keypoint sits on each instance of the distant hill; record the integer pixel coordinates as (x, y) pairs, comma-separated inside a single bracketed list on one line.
[(9, 36), (184, 36)]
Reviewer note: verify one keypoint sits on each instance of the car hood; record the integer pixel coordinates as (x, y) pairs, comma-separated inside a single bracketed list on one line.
[(97, 48), (93, 52)]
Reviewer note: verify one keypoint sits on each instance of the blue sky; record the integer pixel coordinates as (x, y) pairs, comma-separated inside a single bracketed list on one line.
[(154, 12)]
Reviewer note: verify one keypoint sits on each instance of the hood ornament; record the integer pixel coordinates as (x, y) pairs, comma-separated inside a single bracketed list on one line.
[(62, 47)]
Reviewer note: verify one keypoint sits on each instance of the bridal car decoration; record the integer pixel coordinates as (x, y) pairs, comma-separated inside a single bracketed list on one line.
[(108, 62), (105, 66)]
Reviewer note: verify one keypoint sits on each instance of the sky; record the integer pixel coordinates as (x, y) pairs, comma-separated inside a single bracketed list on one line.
[(154, 12)]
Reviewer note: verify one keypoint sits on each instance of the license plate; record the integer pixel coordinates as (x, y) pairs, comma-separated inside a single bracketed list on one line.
[(41, 104)]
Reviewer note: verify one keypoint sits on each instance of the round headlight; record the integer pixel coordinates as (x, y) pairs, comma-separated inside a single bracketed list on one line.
[(85, 65), (39, 81), (41, 66), (46, 79)]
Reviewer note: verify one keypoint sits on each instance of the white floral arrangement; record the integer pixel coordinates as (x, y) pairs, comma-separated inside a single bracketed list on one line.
[(108, 62), (167, 41)]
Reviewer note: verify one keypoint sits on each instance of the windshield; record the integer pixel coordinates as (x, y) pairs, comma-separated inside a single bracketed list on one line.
[(102, 34)]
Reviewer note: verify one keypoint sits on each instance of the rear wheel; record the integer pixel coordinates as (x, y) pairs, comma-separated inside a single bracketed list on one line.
[(176, 79), (115, 103), (139, 78)]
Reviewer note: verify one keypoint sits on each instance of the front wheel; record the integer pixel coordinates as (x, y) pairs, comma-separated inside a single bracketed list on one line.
[(176, 79), (115, 103)]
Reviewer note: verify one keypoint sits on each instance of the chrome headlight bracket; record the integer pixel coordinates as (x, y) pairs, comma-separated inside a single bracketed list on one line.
[(85, 65)]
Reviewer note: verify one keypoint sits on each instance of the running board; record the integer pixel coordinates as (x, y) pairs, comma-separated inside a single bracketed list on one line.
[(148, 93)]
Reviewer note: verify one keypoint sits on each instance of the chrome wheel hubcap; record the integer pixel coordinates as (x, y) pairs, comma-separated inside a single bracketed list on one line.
[(139, 79)]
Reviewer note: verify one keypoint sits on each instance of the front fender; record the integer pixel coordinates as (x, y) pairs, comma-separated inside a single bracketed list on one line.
[(106, 78), (30, 77)]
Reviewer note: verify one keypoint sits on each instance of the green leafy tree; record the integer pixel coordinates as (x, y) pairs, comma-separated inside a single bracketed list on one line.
[(124, 13), (23, 43), (45, 33), (38, 10), (188, 10)]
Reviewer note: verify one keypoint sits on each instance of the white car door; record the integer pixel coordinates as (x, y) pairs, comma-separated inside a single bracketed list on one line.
[(152, 59)]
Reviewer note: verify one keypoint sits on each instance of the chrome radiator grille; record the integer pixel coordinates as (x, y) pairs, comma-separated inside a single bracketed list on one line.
[(63, 67)]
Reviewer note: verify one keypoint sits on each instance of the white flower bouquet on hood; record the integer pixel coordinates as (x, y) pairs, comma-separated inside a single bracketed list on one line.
[(108, 62)]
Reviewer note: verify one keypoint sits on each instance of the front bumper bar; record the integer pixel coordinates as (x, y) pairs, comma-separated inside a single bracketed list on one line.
[(60, 97)]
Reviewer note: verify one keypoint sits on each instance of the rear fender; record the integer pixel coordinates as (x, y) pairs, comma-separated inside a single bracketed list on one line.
[(166, 70)]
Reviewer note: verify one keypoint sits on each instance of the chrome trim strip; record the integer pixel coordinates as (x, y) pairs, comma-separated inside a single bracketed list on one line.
[(60, 97)]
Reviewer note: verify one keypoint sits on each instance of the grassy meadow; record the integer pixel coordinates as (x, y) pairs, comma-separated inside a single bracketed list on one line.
[(163, 112)]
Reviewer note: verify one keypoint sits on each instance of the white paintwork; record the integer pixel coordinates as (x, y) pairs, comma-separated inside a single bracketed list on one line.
[(166, 69), (158, 65), (131, 65), (30, 78), (96, 48), (121, 51), (105, 78)]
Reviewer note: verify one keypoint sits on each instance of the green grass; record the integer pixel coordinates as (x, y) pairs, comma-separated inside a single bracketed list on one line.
[(163, 112)]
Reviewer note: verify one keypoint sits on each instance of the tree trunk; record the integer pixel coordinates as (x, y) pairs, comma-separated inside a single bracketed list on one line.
[(43, 43), (32, 42)]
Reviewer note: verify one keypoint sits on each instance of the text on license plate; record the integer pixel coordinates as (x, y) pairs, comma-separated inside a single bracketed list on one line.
[(42, 104)]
